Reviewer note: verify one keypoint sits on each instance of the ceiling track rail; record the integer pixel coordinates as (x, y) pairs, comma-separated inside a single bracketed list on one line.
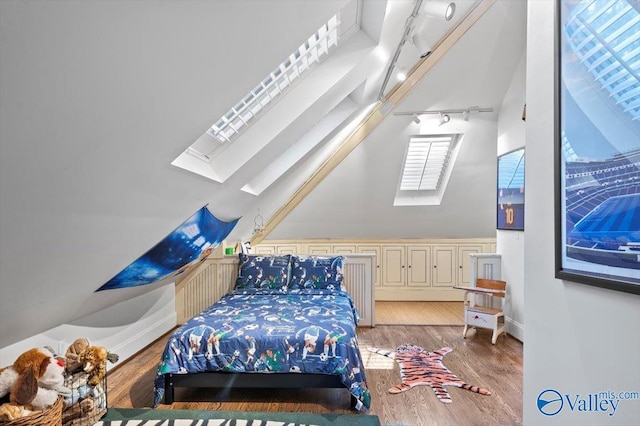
[(377, 114)]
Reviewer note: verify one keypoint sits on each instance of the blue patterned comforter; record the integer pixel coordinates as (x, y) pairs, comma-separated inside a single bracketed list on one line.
[(268, 331)]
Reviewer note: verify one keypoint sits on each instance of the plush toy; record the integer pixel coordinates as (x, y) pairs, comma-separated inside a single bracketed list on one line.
[(83, 408), (94, 360), (10, 411), (35, 378), (72, 356)]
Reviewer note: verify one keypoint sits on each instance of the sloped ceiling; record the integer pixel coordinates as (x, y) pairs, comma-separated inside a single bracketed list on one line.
[(97, 99), (356, 199)]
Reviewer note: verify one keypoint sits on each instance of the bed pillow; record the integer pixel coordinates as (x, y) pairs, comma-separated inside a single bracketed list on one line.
[(316, 272), (266, 271)]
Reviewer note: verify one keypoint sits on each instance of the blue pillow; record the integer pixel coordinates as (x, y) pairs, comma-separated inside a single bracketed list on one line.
[(316, 272), (267, 271)]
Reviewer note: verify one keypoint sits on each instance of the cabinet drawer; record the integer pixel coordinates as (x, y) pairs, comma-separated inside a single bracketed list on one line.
[(480, 319)]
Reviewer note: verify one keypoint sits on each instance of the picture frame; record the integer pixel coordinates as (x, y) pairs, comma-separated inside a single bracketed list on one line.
[(510, 188), (597, 148)]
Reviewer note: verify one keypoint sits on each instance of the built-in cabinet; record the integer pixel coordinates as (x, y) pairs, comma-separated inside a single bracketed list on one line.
[(419, 263), (377, 251), (404, 269), (331, 249), (393, 266)]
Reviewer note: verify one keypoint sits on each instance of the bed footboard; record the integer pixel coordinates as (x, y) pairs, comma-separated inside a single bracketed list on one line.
[(250, 381)]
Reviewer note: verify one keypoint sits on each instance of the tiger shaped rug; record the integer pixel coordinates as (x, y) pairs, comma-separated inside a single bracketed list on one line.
[(418, 367)]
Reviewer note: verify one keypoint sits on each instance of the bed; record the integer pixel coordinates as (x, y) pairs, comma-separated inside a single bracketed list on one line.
[(287, 323)]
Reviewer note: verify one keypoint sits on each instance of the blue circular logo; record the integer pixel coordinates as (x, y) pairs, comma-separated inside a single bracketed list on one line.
[(550, 402)]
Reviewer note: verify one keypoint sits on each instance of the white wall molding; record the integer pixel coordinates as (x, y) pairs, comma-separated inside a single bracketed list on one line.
[(515, 328)]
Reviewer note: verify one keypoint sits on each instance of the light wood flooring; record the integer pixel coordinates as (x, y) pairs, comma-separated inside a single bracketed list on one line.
[(474, 360), (419, 313)]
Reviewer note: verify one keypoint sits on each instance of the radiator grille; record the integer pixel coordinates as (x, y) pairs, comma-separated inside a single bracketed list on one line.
[(356, 283), (205, 288)]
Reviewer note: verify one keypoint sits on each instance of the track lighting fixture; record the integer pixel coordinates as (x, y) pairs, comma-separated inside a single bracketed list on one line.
[(441, 9), (416, 119), (420, 42), (444, 116), (408, 26)]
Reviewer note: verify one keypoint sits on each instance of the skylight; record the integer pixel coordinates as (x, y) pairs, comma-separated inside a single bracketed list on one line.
[(425, 160), (426, 170), (198, 157), (289, 92), (229, 126)]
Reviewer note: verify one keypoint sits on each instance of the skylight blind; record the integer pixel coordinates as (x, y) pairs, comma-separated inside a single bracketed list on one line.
[(427, 157)]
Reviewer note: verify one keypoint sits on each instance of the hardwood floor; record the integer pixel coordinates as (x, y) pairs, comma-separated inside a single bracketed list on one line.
[(419, 313), (475, 360)]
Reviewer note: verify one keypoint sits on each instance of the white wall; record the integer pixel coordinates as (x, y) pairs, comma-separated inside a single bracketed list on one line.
[(98, 97), (510, 244), (124, 328), (356, 199), (579, 339)]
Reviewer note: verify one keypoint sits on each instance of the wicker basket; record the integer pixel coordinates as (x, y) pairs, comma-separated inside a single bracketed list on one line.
[(50, 416)]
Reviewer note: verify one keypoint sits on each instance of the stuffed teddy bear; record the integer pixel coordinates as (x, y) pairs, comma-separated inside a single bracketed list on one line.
[(36, 378), (72, 356), (94, 361), (81, 355)]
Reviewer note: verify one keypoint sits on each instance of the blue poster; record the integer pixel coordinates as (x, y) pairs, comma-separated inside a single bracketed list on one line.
[(511, 190), (185, 247)]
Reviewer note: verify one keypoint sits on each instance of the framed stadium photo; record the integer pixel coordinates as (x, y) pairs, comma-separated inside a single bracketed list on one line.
[(597, 145), (510, 212)]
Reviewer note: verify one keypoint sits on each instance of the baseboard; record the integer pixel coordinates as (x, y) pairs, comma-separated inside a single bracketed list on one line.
[(133, 344), (514, 328), (124, 339)]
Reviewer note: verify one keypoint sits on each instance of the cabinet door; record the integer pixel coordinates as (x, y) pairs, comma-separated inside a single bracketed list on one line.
[(287, 248), (319, 249), (464, 262), (264, 249), (419, 266), (344, 248), (444, 266), (373, 250), (393, 266)]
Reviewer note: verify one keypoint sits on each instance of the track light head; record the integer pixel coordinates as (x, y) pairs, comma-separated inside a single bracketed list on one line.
[(444, 118), (441, 9), (416, 119), (421, 43)]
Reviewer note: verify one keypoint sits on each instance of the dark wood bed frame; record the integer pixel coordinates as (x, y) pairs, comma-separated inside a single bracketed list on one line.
[(250, 380)]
